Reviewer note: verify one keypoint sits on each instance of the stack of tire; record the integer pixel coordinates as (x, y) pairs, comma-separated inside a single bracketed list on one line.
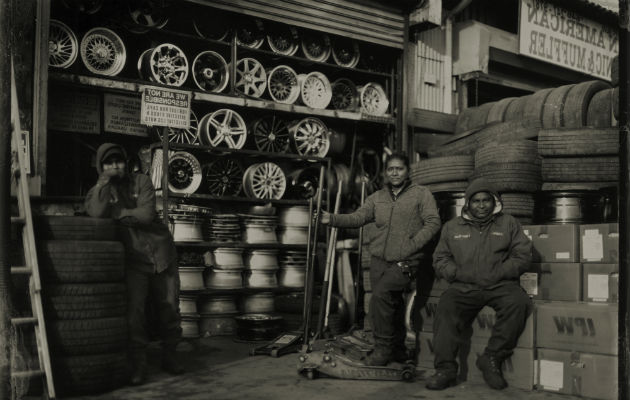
[(443, 174), (85, 305), (514, 170)]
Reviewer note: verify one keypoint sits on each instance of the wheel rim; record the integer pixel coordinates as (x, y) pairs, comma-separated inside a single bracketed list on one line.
[(223, 126), (271, 134), (184, 173), (345, 52), (103, 52), (84, 6), (166, 64), (213, 25), (283, 84), (264, 181), (251, 78), (283, 40), (248, 34), (147, 14), (223, 177), (315, 90), (315, 46), (373, 99), (63, 46), (310, 137), (344, 95), (185, 136), (210, 71)]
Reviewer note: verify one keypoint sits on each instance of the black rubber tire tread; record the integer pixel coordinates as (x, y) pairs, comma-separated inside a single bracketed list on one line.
[(512, 177), (366, 302), (578, 141), (73, 261), (576, 103), (72, 289), (367, 283), (442, 169), (74, 228), (516, 109), (580, 169), (112, 303), (464, 143), (534, 105), (517, 151), (448, 186), (518, 204), (472, 117), (75, 248), (600, 109), (552, 109), (90, 374), (498, 109), (84, 272), (563, 186), (506, 132), (87, 336)]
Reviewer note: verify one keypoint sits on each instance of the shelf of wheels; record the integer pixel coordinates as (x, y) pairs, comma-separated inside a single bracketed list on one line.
[(135, 86)]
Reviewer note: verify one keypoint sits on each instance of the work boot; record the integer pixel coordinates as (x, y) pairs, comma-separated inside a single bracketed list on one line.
[(381, 355), (170, 361), (441, 380), (490, 365), (139, 368)]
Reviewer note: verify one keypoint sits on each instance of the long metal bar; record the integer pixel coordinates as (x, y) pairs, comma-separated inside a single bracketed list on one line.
[(359, 276), (624, 200)]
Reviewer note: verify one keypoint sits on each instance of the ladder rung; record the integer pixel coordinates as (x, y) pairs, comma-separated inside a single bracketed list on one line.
[(24, 321), (18, 220), (27, 374), (21, 270)]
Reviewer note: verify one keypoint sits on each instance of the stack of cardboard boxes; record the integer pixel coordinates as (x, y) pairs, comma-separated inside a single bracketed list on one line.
[(569, 344)]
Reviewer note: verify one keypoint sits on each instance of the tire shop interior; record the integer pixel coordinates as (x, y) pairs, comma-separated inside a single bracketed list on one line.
[(290, 106)]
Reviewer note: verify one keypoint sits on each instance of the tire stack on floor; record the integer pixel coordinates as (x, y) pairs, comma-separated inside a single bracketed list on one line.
[(443, 174), (85, 305)]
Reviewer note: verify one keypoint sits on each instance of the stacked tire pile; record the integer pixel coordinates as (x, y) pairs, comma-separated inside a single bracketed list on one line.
[(443, 174), (85, 306)]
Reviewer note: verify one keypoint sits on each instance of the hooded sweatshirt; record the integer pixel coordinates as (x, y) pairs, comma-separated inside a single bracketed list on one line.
[(403, 223), (473, 254), (148, 243)]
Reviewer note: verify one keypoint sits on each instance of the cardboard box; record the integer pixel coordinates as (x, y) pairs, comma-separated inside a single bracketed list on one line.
[(581, 374), (554, 243), (583, 327), (599, 243), (554, 281), (600, 282), (426, 316), (484, 322)]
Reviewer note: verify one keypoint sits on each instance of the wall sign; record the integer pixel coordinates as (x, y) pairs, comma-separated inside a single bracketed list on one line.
[(121, 114), (74, 111), (165, 107), (562, 37)]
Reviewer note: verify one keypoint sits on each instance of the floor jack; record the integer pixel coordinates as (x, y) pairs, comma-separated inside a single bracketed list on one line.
[(344, 356)]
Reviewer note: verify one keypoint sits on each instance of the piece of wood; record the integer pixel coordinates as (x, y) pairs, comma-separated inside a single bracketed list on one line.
[(432, 120)]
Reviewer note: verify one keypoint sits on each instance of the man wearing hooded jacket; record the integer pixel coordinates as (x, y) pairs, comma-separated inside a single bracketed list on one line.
[(482, 253), (151, 266)]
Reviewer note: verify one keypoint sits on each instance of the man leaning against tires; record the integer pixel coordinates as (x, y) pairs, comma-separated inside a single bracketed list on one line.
[(150, 255)]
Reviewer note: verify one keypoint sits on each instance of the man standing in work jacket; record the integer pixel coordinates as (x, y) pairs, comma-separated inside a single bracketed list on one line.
[(406, 218), (151, 257), (482, 253)]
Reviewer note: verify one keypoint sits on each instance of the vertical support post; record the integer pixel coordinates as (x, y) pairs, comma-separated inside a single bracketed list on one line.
[(624, 199), (165, 175), (402, 90)]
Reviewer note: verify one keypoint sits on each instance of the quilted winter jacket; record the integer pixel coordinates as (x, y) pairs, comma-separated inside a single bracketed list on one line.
[(403, 225)]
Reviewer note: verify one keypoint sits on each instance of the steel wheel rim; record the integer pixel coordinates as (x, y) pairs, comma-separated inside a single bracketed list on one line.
[(283, 84), (223, 126), (84, 6), (310, 137), (167, 64), (265, 181), (315, 90), (316, 46), (146, 14), (373, 99), (183, 136), (345, 52), (251, 78), (210, 71), (248, 35), (344, 95), (205, 30), (184, 173), (63, 46), (223, 177), (283, 41), (271, 134), (103, 52)]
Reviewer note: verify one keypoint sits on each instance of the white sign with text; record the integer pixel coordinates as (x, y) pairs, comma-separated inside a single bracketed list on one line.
[(165, 107)]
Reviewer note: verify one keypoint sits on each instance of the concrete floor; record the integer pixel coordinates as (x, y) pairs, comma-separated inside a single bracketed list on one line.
[(221, 369)]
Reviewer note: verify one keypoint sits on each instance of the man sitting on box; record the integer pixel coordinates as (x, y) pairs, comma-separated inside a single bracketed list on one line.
[(482, 253)]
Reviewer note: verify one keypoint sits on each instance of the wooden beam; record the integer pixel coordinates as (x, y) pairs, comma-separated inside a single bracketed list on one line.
[(40, 95), (432, 120), (501, 79)]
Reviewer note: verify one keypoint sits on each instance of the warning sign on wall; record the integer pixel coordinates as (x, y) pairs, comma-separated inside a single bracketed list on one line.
[(165, 107), (121, 114), (74, 111)]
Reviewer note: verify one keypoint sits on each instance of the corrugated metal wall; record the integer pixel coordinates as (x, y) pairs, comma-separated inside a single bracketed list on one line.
[(429, 75)]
